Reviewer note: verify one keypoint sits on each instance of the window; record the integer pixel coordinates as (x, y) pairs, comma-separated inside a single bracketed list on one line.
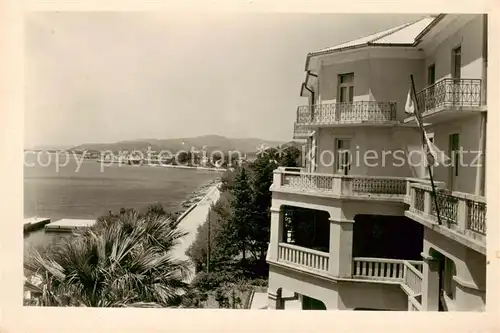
[(343, 163), (456, 62), (448, 271), (431, 74), (455, 152), (431, 139), (346, 88), (431, 79)]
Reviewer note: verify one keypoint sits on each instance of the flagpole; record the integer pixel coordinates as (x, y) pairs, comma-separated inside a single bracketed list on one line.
[(421, 125)]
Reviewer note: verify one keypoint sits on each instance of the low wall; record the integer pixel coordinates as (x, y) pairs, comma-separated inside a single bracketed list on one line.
[(339, 295), (193, 206)]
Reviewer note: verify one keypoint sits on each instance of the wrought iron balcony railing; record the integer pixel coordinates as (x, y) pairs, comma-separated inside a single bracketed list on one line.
[(345, 113), (450, 93)]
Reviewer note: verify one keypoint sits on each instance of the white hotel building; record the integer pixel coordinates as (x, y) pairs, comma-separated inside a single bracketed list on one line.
[(371, 236)]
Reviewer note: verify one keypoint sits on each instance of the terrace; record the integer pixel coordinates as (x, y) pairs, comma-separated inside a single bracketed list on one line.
[(463, 215)]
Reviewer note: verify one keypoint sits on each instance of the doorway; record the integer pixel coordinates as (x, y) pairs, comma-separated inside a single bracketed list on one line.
[(345, 96), (430, 101), (454, 153), (456, 73), (343, 160)]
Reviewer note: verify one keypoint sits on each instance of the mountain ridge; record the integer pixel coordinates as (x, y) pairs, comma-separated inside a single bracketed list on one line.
[(210, 142)]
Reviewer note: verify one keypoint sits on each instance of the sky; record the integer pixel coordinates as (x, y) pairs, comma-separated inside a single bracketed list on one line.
[(112, 76)]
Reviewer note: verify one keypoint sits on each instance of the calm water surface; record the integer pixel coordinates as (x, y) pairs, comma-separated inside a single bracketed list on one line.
[(89, 192)]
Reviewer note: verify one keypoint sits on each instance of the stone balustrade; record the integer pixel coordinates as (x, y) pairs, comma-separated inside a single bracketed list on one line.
[(459, 211), (301, 256)]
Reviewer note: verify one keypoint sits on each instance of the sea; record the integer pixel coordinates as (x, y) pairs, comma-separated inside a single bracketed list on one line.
[(55, 187)]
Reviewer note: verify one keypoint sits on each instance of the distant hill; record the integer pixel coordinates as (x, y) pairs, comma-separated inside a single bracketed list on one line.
[(211, 142)]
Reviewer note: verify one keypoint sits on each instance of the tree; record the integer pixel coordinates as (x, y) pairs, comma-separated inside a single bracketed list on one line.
[(262, 179), (219, 216), (238, 233), (290, 157), (123, 260), (227, 180)]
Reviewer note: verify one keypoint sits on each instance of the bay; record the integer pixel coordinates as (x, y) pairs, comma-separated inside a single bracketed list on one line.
[(92, 190)]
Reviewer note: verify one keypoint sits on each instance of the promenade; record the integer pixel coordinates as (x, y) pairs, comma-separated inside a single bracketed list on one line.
[(192, 220)]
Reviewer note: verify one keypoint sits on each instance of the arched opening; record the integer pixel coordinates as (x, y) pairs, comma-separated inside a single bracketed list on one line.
[(309, 303), (391, 237), (307, 228)]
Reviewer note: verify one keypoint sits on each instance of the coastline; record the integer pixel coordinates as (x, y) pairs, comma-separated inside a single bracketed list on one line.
[(191, 219), (120, 163)]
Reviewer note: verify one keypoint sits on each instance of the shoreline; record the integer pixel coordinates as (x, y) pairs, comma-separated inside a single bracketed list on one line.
[(189, 222), (181, 208), (124, 163)]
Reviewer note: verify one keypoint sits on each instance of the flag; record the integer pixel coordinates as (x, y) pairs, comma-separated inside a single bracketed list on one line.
[(409, 106), (435, 156)]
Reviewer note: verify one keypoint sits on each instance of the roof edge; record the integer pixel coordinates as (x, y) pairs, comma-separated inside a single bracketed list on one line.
[(428, 28), (403, 26), (359, 46), (371, 43)]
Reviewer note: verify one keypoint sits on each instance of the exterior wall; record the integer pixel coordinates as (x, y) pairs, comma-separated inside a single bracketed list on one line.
[(470, 37), (376, 296), (339, 295), (328, 80), (470, 279), (375, 79), (390, 80), (338, 210), (305, 284), (373, 150), (468, 129)]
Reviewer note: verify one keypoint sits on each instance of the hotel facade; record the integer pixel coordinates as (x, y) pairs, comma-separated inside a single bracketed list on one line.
[(357, 227)]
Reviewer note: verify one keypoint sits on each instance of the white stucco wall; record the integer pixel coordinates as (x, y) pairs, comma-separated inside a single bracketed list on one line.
[(376, 151), (328, 80), (375, 79), (470, 37), (470, 268), (468, 129), (390, 80), (339, 295), (377, 296)]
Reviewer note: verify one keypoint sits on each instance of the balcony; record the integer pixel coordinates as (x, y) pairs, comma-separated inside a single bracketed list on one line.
[(347, 113), (448, 96), (337, 186), (463, 216), (406, 273), (300, 132)]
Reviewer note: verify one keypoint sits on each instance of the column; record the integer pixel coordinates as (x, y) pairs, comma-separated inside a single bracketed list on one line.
[(276, 232), (430, 284), (340, 263), (410, 304), (480, 170), (275, 301)]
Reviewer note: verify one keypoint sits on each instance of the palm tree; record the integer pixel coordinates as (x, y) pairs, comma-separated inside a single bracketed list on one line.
[(124, 260)]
